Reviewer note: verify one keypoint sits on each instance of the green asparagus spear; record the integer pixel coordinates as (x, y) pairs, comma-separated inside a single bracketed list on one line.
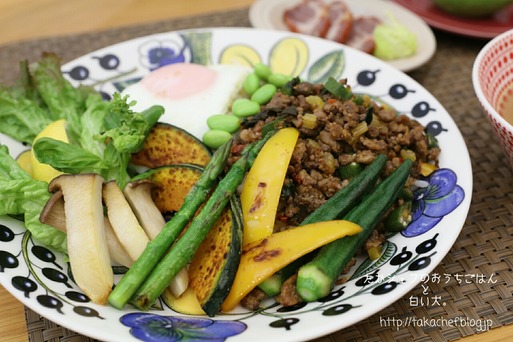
[(154, 251), (184, 248), (316, 279)]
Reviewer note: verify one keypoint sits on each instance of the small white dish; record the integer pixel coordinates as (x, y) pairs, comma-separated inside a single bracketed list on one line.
[(268, 14)]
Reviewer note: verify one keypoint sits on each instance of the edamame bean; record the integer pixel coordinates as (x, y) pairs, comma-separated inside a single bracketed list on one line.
[(264, 94), (245, 107), (223, 122), (251, 83), (215, 138), (279, 80), (261, 70)]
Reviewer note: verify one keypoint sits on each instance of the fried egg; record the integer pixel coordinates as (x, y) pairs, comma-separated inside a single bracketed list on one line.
[(190, 93)]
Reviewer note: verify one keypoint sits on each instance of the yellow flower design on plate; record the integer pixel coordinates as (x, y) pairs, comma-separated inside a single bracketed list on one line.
[(288, 56), (240, 55)]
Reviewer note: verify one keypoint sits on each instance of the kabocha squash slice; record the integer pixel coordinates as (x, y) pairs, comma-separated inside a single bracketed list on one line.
[(172, 183), (168, 145), (214, 265), (186, 304)]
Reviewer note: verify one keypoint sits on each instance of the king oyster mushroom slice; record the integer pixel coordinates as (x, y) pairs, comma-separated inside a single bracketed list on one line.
[(123, 221), (179, 283), (53, 214), (87, 245), (117, 253), (138, 194)]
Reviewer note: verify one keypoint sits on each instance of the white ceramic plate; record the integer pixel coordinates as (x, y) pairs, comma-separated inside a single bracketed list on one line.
[(39, 277), (268, 14)]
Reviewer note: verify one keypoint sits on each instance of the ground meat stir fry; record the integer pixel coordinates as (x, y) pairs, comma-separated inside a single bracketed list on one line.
[(334, 133)]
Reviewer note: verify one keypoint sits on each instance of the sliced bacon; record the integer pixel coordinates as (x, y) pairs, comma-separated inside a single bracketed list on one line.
[(361, 36), (308, 17), (332, 20), (341, 22)]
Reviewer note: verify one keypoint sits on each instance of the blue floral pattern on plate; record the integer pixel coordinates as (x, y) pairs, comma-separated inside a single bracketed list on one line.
[(158, 328), (438, 197)]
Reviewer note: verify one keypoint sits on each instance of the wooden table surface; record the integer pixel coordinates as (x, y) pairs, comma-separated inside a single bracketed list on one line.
[(31, 19)]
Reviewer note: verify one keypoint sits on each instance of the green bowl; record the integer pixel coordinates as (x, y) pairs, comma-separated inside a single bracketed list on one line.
[(472, 8)]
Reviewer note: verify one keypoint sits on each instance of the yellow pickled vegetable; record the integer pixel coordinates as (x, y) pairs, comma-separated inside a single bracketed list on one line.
[(374, 252), (309, 121), (427, 168), (408, 154), (262, 188), (260, 259), (315, 101), (358, 131)]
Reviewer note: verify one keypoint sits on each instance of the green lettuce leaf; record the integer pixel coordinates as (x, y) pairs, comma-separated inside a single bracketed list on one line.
[(92, 123), (102, 134), (21, 194), (110, 132), (67, 158), (64, 101), (39, 96), (21, 117)]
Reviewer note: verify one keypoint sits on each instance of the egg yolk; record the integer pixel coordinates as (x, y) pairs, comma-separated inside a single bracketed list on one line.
[(179, 81)]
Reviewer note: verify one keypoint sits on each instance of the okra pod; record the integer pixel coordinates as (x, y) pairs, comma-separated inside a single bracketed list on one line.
[(317, 278)]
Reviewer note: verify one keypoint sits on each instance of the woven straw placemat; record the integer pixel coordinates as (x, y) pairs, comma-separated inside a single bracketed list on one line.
[(485, 245)]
